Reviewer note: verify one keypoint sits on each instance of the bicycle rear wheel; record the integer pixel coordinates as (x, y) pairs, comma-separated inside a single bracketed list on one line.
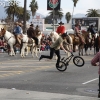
[(62, 66), (78, 61)]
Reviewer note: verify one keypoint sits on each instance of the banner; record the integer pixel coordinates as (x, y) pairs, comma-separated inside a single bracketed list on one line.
[(53, 4), (39, 22)]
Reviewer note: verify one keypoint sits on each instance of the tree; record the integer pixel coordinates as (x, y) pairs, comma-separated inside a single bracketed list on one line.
[(58, 15), (34, 7), (92, 13), (21, 13), (48, 20), (12, 9), (68, 16), (74, 5)]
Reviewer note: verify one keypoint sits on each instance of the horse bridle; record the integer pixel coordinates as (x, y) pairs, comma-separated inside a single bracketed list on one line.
[(9, 38)]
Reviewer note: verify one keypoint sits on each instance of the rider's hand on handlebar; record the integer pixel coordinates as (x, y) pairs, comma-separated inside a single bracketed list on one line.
[(71, 51)]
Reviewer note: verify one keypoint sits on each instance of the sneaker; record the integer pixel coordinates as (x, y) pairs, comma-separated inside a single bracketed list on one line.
[(40, 57), (98, 95)]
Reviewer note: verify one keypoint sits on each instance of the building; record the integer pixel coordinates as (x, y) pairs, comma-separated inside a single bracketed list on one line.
[(86, 22)]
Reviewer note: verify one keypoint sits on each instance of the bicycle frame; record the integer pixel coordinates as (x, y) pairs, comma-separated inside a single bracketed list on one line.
[(68, 59)]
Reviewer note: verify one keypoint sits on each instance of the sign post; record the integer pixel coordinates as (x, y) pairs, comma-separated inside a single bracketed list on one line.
[(53, 17), (24, 21), (39, 21), (53, 5)]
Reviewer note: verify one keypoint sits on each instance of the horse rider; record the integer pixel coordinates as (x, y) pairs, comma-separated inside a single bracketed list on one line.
[(20, 24), (61, 28), (17, 32), (32, 34), (92, 30), (77, 33), (79, 25)]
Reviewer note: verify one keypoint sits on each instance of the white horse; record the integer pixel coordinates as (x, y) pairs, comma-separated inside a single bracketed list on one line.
[(35, 50), (11, 40)]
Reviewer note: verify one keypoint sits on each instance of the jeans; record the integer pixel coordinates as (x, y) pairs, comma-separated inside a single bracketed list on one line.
[(36, 40), (52, 51), (99, 84)]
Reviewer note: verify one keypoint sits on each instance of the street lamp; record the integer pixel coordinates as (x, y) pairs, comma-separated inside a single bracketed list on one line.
[(24, 21)]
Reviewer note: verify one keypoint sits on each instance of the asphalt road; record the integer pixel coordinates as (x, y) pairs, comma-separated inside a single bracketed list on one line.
[(34, 75)]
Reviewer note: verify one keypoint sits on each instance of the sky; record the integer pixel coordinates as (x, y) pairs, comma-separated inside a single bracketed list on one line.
[(66, 5), (82, 6)]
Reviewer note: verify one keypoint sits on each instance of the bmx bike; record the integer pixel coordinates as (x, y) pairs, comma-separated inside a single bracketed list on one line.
[(64, 62)]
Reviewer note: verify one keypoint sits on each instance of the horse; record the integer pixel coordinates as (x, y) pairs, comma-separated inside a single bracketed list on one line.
[(11, 40), (89, 42), (77, 42), (97, 43), (36, 49)]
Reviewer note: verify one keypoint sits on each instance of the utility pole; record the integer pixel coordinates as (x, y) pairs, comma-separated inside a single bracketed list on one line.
[(24, 21), (53, 17)]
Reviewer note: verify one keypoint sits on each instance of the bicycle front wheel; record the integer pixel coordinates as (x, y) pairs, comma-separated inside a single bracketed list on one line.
[(62, 66), (78, 61)]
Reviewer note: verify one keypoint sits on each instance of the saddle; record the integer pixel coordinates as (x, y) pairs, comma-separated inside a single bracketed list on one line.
[(30, 42), (76, 38), (79, 39)]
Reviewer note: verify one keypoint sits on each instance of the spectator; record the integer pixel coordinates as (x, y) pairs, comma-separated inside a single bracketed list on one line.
[(43, 46), (94, 61), (47, 47), (2, 46)]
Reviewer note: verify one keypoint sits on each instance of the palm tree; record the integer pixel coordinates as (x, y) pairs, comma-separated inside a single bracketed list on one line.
[(74, 5), (58, 15), (68, 16), (12, 9), (34, 7), (92, 13), (48, 20), (21, 13)]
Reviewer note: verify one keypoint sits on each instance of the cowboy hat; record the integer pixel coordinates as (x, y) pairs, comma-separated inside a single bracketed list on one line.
[(20, 24), (16, 23), (61, 23)]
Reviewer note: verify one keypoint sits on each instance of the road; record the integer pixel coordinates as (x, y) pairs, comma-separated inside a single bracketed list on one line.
[(31, 74)]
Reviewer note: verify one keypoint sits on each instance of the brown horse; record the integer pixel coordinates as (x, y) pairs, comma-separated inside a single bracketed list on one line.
[(88, 40), (97, 44), (77, 42)]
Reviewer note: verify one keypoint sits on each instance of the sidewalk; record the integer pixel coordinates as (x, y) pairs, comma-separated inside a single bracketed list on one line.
[(13, 94)]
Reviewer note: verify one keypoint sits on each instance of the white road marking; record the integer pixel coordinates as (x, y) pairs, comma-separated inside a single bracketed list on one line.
[(90, 81)]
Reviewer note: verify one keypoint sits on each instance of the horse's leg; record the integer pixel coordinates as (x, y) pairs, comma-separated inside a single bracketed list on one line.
[(12, 50), (74, 48), (23, 50), (79, 50), (26, 50), (36, 52), (82, 50), (86, 49)]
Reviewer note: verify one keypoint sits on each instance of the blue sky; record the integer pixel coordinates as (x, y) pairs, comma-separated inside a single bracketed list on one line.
[(67, 6)]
